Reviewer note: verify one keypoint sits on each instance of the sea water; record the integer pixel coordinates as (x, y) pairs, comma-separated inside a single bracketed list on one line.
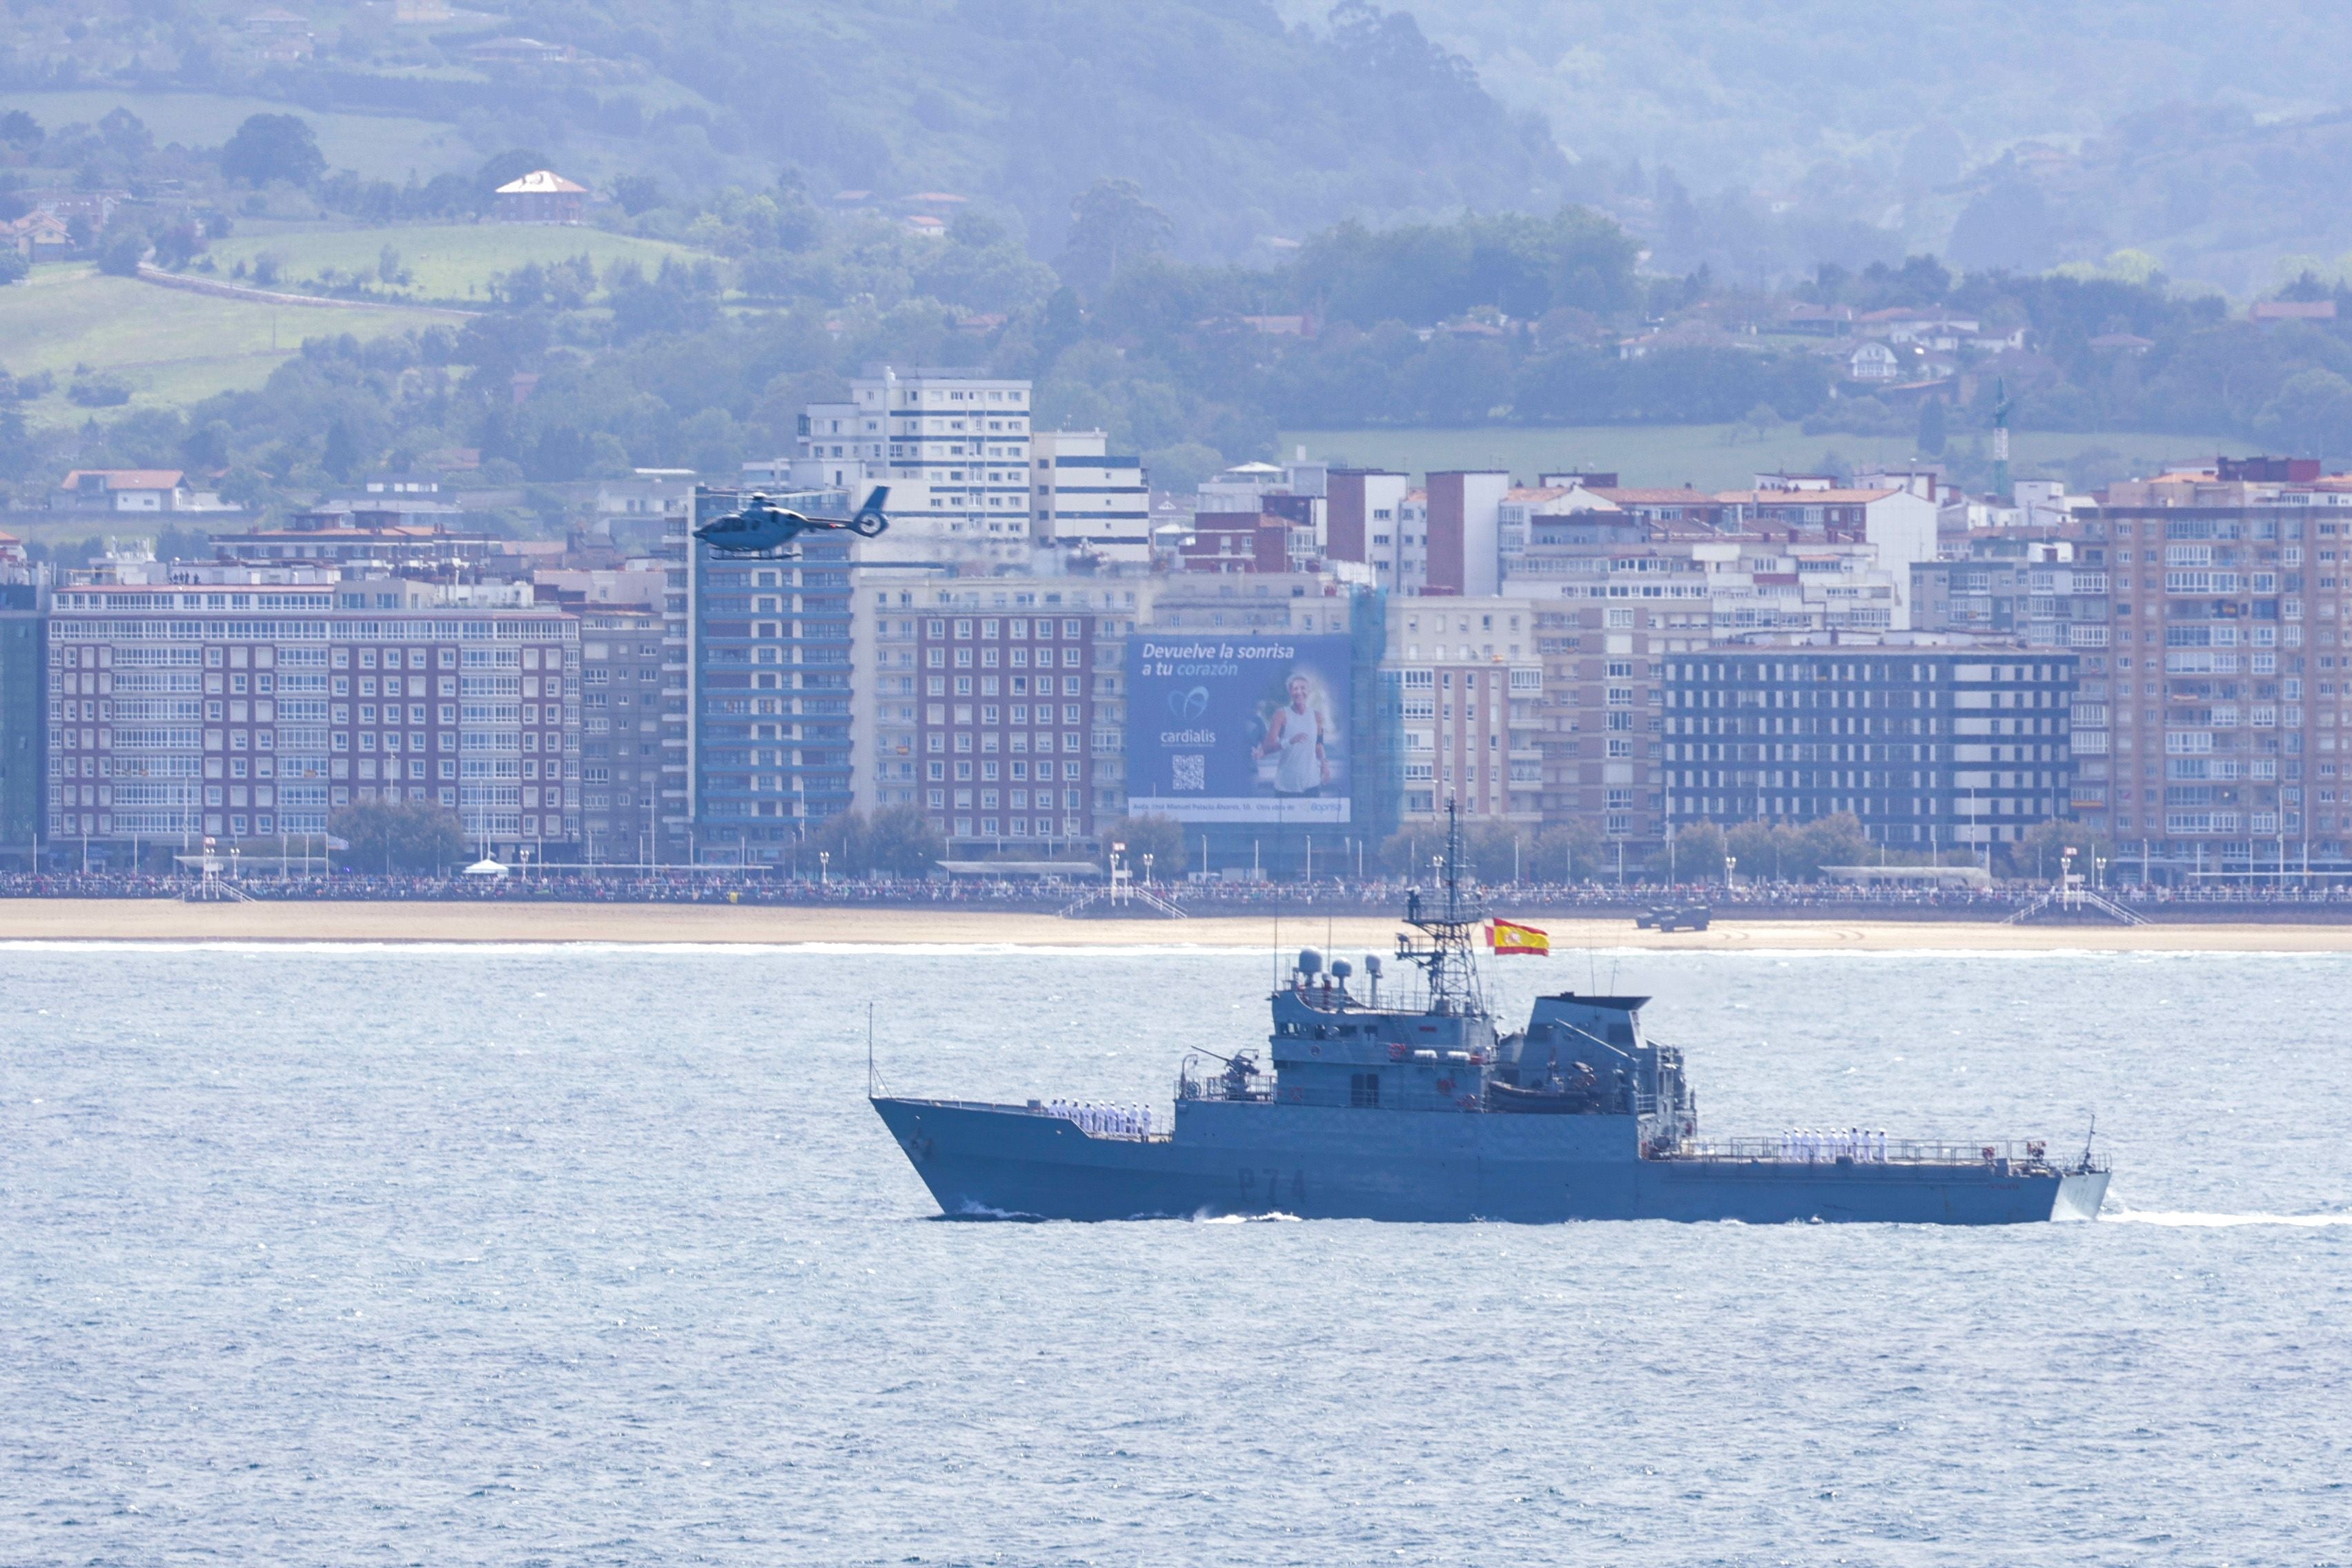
[(580, 1256)]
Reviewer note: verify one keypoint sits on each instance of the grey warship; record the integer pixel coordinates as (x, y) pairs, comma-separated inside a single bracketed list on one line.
[(1420, 1110)]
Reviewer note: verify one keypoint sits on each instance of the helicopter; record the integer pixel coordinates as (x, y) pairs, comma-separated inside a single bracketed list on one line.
[(762, 530)]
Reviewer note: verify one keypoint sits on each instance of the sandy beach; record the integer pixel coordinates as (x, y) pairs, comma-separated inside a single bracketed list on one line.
[(162, 919)]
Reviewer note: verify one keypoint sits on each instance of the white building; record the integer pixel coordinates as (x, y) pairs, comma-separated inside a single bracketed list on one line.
[(1082, 496), (132, 491), (647, 493), (840, 446), (963, 434)]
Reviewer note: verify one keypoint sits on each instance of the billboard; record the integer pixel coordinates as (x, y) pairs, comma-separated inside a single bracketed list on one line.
[(1238, 729)]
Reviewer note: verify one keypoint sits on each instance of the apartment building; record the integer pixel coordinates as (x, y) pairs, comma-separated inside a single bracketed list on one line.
[(1930, 748), (243, 704), (367, 537), (840, 446), (1898, 523), (1086, 499), (1362, 511), (961, 433), (1468, 688), (768, 736), (2230, 669), (674, 813), (1613, 594), (1004, 741), (1464, 530), (23, 728), (621, 711)]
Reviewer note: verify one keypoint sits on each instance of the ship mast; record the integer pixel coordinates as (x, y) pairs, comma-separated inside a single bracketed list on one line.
[(1445, 948)]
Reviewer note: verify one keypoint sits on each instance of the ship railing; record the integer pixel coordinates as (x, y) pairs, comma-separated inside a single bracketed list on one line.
[(1863, 1147), (1258, 1086)]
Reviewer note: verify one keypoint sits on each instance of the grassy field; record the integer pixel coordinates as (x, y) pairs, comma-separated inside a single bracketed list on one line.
[(172, 347), (382, 147), (451, 261), (1712, 457)]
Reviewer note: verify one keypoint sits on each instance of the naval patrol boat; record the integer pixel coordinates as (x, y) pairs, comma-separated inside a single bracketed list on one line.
[(1421, 1110)]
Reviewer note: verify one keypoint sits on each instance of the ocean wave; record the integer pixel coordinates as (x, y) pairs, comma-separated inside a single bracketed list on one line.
[(2192, 1220), (974, 1210)]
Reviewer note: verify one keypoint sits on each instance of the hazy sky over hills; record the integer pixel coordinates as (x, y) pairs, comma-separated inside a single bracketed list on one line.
[(1850, 130), (1760, 89)]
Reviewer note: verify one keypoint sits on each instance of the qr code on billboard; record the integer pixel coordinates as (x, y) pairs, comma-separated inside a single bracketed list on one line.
[(1190, 770)]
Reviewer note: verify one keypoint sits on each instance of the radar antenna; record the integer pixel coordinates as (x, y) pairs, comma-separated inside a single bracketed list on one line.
[(1445, 950)]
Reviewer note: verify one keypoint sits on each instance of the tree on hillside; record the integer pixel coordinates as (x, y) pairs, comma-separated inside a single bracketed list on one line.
[(1932, 434), (2009, 224), (388, 835), (2311, 415), (1110, 224), (122, 253), (342, 454), (636, 193), (273, 147)]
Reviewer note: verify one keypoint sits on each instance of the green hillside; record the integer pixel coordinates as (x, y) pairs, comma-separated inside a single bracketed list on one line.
[(378, 146), (452, 261), (170, 348), (1243, 130)]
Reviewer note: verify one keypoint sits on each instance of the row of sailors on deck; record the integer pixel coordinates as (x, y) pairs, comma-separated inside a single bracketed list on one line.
[(1111, 1120), (1856, 1143)]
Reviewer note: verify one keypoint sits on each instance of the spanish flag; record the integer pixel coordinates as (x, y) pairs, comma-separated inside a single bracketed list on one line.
[(1507, 936)]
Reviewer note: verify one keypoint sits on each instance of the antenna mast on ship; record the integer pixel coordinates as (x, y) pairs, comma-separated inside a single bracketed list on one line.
[(1445, 949)]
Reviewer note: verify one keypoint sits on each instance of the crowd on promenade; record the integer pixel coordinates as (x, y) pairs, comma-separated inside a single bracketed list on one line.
[(621, 885)]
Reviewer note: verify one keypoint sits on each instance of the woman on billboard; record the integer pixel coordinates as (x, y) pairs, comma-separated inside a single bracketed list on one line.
[(1296, 741)]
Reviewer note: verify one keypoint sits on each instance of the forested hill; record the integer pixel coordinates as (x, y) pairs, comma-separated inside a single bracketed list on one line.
[(1765, 136), (1759, 91), (1245, 131)]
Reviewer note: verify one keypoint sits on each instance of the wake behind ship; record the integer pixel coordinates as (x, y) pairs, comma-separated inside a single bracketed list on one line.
[(1423, 1112)]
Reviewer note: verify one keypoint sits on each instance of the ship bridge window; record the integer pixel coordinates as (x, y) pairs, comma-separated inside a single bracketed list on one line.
[(1364, 1090)]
